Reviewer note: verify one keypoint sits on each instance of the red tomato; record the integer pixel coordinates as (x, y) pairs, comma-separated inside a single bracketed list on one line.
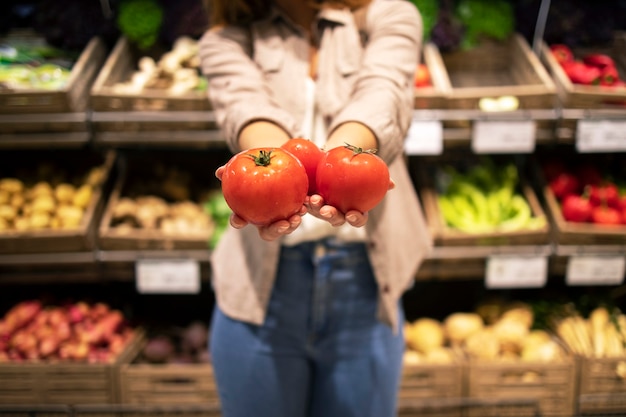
[(309, 154), (421, 78), (606, 216), (350, 178), (264, 185)]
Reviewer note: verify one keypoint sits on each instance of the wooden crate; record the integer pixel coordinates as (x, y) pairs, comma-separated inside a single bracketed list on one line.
[(589, 96), (552, 385), (167, 384), (432, 97), (207, 409), (602, 390), (140, 112), (444, 235), (141, 167), (72, 98), (495, 69), (421, 384), (79, 239), (64, 383)]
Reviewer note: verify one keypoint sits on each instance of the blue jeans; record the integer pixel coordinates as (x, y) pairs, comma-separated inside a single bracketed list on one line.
[(321, 352)]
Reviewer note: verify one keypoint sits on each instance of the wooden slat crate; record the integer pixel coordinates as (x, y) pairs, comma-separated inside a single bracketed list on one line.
[(78, 239), (206, 409), (72, 98), (17, 410), (64, 383), (167, 384), (571, 233), (589, 96), (432, 97), (495, 69), (140, 168), (119, 67), (424, 382), (552, 384), (444, 235), (602, 386)]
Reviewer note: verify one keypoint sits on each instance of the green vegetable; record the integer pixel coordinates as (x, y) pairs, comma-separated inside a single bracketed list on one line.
[(484, 199), (140, 21), (220, 212), (493, 19)]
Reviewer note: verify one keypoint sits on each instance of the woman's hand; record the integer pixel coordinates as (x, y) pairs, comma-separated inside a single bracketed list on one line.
[(316, 207), (271, 231)]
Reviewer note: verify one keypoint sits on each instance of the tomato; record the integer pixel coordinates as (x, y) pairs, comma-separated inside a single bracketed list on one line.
[(264, 185), (309, 154), (421, 78), (350, 178)]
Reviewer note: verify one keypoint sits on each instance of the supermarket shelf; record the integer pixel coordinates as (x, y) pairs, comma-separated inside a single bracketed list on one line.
[(177, 138), (62, 130), (44, 140), (133, 256)]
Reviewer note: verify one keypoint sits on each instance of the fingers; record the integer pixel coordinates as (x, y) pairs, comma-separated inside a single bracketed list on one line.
[(280, 228), (356, 218), (392, 184), (219, 172)]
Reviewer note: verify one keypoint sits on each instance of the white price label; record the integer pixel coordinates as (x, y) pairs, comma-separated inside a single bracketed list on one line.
[(424, 138), (516, 272), (173, 276), (503, 136), (601, 136), (595, 270)]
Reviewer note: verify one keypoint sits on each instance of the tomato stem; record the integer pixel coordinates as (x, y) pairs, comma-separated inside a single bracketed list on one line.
[(263, 158), (358, 150)]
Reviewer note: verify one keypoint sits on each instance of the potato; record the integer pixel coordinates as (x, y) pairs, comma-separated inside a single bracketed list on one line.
[(64, 192), (4, 225), (12, 185), (7, 212), (21, 223), (83, 196), (42, 188), (44, 203), (70, 216), (39, 220), (5, 197), (18, 201)]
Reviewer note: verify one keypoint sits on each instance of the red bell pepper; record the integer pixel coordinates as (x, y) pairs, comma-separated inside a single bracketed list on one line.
[(576, 208), (580, 73), (562, 53), (609, 76), (599, 60), (604, 194), (564, 184), (606, 216)]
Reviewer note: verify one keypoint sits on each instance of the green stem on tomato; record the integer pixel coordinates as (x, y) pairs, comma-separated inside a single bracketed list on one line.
[(263, 158), (358, 150)]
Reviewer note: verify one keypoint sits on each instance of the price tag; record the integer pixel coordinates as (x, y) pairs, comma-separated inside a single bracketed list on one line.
[(173, 276), (601, 136), (516, 272), (595, 270), (425, 137), (503, 136)]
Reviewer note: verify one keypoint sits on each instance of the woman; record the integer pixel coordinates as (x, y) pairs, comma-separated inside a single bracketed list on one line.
[(308, 318)]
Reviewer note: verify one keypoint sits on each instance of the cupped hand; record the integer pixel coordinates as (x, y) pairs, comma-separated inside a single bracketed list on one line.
[(316, 207), (271, 231)]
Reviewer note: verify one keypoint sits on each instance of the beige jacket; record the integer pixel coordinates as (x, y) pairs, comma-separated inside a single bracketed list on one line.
[(363, 75)]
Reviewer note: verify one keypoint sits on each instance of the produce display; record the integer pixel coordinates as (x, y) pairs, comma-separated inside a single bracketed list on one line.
[(188, 344), (422, 76), (495, 331), (169, 202), (596, 69), (27, 62), (586, 194), (74, 332), (484, 198), (176, 71), (600, 335), (140, 21), (47, 198)]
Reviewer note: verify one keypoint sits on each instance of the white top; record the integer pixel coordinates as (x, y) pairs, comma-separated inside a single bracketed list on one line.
[(312, 228)]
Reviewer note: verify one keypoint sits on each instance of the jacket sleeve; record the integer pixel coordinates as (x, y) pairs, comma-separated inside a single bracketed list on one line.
[(236, 87), (382, 97)]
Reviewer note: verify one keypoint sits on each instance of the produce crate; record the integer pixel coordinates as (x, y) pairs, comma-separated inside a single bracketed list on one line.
[(442, 382), (571, 233), (602, 387), (139, 176), (495, 69), (589, 96), (444, 235), (469, 406), (72, 98), (208, 409), (432, 97), (35, 410), (143, 111), (167, 383), (64, 383), (79, 239), (552, 384)]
